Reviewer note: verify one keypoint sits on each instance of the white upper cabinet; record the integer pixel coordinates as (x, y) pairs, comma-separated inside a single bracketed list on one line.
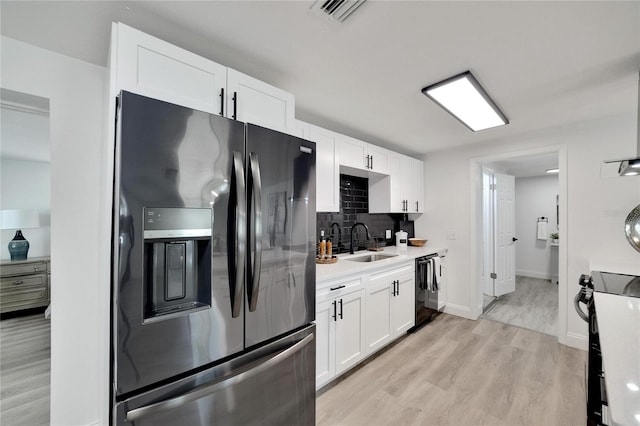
[(327, 169), (417, 199), (253, 101), (361, 155), (400, 192), (152, 67)]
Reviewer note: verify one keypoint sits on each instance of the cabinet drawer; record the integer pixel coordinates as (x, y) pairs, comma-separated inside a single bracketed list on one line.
[(23, 292), (8, 270)]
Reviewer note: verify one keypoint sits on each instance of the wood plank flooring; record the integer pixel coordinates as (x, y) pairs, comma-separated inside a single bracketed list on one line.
[(455, 371), (534, 306), (25, 377)]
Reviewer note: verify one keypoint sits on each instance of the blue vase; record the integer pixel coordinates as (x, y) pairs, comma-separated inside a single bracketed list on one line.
[(18, 247)]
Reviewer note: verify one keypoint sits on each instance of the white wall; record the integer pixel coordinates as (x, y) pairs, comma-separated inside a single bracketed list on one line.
[(535, 197), (26, 185), (591, 233), (78, 329)]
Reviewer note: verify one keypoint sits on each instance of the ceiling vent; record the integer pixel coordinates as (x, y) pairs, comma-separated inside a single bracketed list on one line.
[(336, 10)]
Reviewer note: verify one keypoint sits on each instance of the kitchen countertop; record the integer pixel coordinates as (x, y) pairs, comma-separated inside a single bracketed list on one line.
[(619, 328), (346, 267)]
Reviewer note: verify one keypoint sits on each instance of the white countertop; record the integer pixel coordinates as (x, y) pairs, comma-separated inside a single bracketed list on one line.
[(346, 267), (619, 329)]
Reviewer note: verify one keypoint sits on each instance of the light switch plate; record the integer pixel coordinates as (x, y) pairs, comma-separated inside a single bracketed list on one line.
[(451, 235), (387, 234)]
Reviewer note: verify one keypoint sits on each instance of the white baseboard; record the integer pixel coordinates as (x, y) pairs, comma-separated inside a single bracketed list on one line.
[(460, 311), (533, 274), (575, 340)]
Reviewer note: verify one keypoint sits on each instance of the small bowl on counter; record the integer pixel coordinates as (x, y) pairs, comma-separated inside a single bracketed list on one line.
[(417, 242)]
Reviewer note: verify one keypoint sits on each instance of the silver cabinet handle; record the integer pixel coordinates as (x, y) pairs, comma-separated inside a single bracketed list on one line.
[(238, 248), (18, 282), (256, 228), (223, 382)]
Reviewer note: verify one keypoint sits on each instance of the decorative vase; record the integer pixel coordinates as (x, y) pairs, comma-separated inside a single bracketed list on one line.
[(18, 247)]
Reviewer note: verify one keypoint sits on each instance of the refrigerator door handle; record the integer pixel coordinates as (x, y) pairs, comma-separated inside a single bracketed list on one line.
[(223, 382), (256, 227), (239, 249)]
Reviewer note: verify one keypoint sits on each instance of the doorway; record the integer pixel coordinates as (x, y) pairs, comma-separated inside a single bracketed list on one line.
[(520, 218), (25, 203)]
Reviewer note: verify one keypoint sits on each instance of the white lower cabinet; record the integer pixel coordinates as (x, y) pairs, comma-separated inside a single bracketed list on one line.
[(340, 321), (390, 305), (356, 317)]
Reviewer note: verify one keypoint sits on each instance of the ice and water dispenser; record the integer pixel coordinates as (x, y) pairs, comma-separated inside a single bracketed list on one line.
[(177, 267)]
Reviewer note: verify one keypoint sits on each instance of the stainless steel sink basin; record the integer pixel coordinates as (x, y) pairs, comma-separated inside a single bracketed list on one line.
[(371, 257)]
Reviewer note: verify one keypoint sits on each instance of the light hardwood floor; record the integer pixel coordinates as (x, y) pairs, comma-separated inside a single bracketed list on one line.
[(25, 363), (534, 306), (455, 371)]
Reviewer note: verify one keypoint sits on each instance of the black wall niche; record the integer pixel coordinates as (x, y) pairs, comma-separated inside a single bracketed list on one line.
[(354, 207)]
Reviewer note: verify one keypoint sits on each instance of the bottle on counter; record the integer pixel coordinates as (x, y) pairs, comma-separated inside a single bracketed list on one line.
[(323, 246), (329, 248)]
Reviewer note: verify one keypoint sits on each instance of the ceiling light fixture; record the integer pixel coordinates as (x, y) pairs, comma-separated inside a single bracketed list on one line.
[(552, 171), (464, 98)]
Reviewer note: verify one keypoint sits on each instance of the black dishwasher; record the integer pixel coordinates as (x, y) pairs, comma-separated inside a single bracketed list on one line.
[(428, 282)]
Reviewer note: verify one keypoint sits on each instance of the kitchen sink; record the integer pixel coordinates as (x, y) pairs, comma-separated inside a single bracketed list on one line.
[(371, 257)]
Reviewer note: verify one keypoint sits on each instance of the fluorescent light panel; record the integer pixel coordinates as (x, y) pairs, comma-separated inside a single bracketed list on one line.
[(464, 98)]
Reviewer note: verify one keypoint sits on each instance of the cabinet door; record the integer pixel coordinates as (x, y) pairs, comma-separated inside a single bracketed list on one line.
[(379, 327), (378, 159), (301, 129), (327, 170), (408, 185), (350, 330), (325, 349), (352, 153), (152, 67), (417, 201), (254, 101), (396, 193), (404, 309)]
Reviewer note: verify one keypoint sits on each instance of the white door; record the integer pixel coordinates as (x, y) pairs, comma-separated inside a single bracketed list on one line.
[(379, 330), (325, 328), (152, 67), (327, 170), (404, 304), (350, 338), (352, 153), (505, 280), (254, 101)]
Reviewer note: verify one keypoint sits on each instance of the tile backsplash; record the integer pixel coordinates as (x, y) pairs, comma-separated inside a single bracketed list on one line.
[(354, 207)]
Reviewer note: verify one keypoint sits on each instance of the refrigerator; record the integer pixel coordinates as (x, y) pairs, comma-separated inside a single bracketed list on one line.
[(213, 280)]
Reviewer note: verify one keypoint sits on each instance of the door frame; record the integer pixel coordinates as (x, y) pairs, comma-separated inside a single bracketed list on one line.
[(488, 232), (476, 228)]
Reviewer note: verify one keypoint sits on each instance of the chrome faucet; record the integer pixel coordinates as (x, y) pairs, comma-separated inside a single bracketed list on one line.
[(354, 227)]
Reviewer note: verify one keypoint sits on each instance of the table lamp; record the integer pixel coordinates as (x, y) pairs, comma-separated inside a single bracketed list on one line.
[(19, 220)]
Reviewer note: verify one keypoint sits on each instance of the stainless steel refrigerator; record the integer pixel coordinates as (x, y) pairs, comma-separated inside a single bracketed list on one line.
[(213, 270)]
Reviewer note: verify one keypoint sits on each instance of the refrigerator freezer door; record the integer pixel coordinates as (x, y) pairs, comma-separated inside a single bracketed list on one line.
[(174, 164), (273, 385), (281, 238)]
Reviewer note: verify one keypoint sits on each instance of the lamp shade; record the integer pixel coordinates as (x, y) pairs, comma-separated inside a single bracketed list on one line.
[(19, 219)]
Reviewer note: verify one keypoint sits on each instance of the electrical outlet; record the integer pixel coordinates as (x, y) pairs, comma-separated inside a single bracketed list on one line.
[(387, 234), (451, 235)]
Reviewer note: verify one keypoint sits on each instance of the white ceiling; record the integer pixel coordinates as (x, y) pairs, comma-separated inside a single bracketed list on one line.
[(526, 166), (544, 63)]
